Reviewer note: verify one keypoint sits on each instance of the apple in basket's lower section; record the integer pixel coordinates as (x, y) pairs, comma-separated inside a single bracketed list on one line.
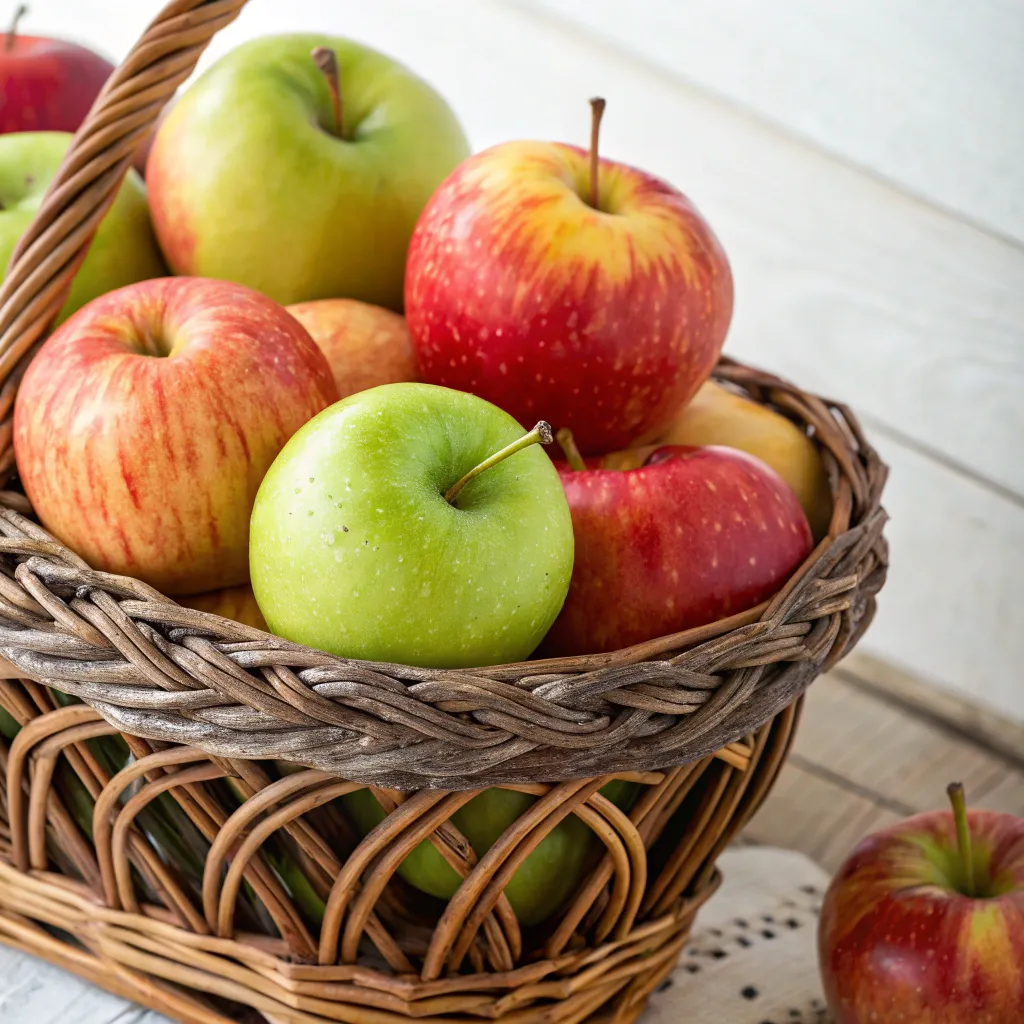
[(237, 603), (542, 883)]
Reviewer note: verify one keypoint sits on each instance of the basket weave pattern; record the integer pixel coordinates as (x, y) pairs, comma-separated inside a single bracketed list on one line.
[(200, 701), (619, 937)]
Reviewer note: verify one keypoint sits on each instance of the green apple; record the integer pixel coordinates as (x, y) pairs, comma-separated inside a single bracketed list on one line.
[(359, 545), (251, 179), (542, 883), (124, 249)]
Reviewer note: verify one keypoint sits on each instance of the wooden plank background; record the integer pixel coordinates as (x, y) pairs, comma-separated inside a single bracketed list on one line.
[(860, 164)]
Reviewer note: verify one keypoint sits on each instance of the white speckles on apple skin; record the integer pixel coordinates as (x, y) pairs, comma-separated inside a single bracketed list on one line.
[(673, 538), (546, 281)]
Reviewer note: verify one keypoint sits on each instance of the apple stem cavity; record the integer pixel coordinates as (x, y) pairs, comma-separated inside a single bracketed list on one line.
[(572, 454), (12, 29), (963, 835), (597, 105), (541, 434), (327, 61)]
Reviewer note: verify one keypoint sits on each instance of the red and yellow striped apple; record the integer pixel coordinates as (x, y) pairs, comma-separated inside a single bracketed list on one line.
[(145, 424), (925, 922), (689, 537), (523, 289)]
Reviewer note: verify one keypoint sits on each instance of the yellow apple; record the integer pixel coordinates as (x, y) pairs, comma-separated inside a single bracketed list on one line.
[(237, 603), (366, 345), (717, 416)]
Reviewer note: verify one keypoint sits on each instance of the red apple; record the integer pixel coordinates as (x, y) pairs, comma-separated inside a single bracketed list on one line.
[(523, 290), (689, 537), (366, 345), (925, 922), (46, 84), (146, 422)]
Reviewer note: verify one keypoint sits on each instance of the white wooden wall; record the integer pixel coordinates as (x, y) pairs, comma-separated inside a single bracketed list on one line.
[(861, 163)]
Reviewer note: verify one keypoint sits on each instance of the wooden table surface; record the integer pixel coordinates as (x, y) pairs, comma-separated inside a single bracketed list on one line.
[(874, 746)]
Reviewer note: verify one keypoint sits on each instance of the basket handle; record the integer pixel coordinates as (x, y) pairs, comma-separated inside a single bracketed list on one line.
[(52, 249)]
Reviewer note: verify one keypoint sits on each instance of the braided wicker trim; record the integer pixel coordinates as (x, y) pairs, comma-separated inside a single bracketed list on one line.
[(156, 670), (163, 672)]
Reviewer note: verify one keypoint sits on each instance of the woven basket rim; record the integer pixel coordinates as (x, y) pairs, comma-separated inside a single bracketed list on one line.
[(160, 671)]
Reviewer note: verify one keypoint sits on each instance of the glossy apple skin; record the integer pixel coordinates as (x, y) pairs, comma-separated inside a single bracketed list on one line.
[(48, 84), (124, 248), (603, 322), (365, 345), (694, 536), (248, 181), (356, 551), (148, 465), (898, 942)]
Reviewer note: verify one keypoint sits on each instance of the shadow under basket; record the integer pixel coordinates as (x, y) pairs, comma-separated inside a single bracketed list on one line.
[(176, 811)]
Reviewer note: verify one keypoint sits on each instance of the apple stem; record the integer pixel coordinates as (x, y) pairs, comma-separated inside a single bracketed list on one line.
[(597, 106), (12, 29), (572, 454), (963, 834), (327, 61), (541, 434)]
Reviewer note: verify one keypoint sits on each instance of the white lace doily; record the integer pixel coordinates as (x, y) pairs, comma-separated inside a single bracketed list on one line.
[(751, 959)]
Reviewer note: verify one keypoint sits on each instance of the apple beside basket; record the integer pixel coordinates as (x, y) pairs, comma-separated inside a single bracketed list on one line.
[(213, 914)]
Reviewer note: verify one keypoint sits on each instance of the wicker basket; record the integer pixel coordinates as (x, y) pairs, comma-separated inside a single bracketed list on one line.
[(700, 721)]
